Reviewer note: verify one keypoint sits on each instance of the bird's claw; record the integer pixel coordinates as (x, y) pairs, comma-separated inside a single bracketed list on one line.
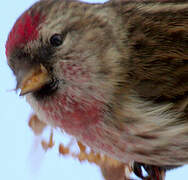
[(154, 172)]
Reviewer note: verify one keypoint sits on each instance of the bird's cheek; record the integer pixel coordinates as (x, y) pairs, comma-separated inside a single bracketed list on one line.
[(73, 72)]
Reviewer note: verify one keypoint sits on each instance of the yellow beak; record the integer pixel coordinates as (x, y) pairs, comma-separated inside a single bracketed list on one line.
[(34, 80)]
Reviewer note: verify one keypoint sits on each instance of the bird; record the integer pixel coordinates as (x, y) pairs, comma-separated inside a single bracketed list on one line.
[(113, 75)]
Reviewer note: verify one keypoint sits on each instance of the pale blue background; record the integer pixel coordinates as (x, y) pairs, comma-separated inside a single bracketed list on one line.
[(21, 156)]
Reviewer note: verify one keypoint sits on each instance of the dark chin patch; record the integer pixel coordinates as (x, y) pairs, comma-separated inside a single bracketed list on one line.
[(47, 90)]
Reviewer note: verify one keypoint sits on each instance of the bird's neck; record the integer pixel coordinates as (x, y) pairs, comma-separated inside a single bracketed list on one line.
[(66, 111)]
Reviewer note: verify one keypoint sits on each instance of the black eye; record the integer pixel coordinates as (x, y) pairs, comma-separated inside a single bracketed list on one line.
[(56, 40)]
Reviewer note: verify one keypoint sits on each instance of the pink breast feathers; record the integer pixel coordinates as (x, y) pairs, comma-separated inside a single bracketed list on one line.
[(25, 30)]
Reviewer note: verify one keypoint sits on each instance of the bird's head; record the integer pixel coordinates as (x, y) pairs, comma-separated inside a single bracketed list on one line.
[(60, 44)]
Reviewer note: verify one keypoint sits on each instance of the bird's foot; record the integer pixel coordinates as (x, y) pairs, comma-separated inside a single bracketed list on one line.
[(153, 172)]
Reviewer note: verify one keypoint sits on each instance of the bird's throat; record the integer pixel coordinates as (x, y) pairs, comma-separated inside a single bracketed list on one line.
[(71, 113)]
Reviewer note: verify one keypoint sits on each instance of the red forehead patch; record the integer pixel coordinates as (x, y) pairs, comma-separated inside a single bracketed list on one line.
[(24, 30)]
